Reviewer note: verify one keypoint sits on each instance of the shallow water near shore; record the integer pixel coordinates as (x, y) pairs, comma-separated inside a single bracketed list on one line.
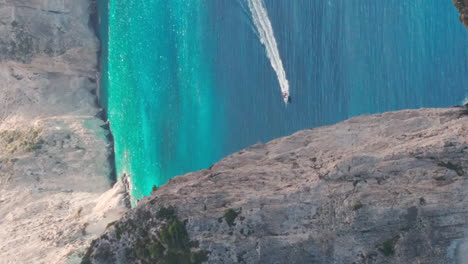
[(186, 83)]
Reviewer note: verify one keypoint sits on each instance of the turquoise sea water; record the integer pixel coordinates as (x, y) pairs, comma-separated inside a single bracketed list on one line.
[(187, 82)]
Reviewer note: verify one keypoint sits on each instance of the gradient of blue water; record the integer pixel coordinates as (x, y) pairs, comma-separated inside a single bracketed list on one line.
[(342, 57)]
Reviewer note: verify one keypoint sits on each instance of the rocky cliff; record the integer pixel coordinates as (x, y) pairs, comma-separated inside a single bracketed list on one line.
[(386, 188), (54, 149), (462, 6)]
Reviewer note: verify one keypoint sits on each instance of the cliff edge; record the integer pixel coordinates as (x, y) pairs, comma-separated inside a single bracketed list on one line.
[(54, 151), (385, 188)]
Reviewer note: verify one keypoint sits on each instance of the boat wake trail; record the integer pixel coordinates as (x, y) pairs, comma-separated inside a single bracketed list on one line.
[(267, 38)]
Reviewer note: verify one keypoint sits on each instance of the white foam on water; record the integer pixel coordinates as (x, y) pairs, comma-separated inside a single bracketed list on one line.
[(267, 38)]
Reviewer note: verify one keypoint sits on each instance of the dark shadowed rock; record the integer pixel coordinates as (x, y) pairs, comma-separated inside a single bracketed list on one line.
[(462, 6)]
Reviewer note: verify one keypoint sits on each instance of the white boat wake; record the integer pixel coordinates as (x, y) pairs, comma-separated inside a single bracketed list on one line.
[(267, 38)]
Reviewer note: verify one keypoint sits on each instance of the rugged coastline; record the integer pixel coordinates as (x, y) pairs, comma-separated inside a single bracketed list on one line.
[(385, 188), (374, 189)]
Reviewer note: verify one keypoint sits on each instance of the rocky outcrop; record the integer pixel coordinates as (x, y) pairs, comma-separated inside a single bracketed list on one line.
[(53, 147), (386, 188), (462, 6)]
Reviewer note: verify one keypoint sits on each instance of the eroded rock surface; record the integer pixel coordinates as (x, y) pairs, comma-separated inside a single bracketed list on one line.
[(54, 150), (386, 188)]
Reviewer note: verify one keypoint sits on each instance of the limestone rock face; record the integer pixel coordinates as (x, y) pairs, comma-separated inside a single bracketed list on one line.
[(462, 6), (54, 150), (48, 59), (386, 188)]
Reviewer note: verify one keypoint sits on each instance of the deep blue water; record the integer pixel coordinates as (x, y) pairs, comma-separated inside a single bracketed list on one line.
[(343, 58), (187, 82)]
